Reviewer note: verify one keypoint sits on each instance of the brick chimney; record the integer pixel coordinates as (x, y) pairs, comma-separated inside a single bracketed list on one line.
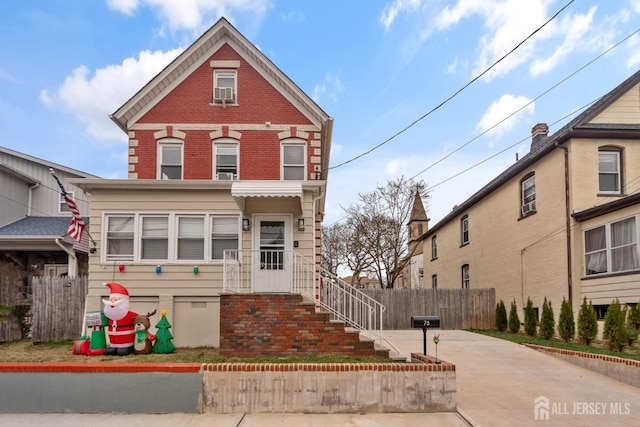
[(539, 133)]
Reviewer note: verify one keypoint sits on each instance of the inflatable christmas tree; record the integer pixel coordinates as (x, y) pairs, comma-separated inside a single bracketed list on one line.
[(163, 342)]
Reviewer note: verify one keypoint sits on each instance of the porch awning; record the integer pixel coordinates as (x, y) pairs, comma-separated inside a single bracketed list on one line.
[(241, 190)]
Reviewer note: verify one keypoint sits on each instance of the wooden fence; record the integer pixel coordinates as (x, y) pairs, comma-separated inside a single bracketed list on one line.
[(457, 308), (58, 308)]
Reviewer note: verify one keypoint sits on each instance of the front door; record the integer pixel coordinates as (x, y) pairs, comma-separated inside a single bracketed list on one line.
[(272, 257)]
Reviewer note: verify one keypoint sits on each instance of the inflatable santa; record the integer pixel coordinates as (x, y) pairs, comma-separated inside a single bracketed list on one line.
[(120, 330)]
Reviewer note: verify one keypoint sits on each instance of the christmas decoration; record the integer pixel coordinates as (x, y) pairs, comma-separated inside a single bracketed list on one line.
[(141, 324), (120, 326), (163, 342), (121, 268), (158, 269)]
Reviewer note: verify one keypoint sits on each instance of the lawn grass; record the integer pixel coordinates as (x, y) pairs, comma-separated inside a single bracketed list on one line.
[(61, 351), (597, 347)]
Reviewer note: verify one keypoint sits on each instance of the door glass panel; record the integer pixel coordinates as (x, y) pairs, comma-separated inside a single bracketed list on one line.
[(271, 245)]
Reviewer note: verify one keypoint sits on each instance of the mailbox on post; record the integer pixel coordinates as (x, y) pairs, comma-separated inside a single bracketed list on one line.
[(425, 322)]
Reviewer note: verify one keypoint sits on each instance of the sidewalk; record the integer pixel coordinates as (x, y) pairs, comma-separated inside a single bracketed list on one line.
[(498, 383)]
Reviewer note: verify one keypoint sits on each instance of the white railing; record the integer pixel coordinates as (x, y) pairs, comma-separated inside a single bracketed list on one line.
[(287, 271)]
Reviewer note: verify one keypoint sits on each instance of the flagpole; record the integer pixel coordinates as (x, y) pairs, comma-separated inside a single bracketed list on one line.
[(74, 210)]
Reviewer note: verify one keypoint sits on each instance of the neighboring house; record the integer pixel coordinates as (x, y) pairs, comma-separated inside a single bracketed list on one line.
[(34, 219), (228, 162), (562, 222), (362, 282), (413, 262)]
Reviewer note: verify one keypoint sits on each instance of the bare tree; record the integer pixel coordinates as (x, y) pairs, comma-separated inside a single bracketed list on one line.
[(378, 221), (334, 247)]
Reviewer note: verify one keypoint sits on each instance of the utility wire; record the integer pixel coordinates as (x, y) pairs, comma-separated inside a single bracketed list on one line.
[(455, 94)]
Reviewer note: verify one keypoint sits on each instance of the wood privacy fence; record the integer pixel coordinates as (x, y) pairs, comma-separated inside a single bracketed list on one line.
[(457, 308), (58, 308)]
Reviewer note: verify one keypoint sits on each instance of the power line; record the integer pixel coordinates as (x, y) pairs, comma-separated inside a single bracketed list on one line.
[(455, 93)]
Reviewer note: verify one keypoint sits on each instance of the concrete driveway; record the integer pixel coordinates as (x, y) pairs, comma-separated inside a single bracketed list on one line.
[(499, 383)]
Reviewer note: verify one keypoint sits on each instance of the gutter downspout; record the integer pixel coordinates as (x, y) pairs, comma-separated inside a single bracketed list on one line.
[(568, 224), (73, 266), (30, 203), (313, 236)]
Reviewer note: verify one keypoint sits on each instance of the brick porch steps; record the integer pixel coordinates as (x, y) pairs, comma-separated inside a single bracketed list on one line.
[(285, 325)]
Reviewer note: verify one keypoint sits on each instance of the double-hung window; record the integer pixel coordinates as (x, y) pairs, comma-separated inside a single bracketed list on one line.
[(224, 235), (609, 171), (154, 242), (464, 230), (226, 161), (612, 247), (434, 247), (293, 156), (224, 86), (434, 281), (528, 193), (63, 207), (170, 159), (191, 238), (465, 276), (120, 237)]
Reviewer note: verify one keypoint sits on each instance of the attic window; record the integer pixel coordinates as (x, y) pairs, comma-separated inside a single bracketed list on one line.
[(225, 82)]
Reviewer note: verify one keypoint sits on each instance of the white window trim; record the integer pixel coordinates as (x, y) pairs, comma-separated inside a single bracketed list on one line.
[(464, 229), (434, 247), (62, 202), (608, 246), (293, 142), (233, 72), (167, 142), (618, 155), (527, 208), (465, 278), (226, 142), (173, 236)]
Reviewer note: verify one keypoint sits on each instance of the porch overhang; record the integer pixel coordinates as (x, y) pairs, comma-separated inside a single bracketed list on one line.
[(242, 190)]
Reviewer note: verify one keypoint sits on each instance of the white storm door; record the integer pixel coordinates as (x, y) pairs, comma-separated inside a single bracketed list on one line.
[(272, 254)]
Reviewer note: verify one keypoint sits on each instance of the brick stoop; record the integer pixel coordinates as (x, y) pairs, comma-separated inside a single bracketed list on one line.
[(284, 325)]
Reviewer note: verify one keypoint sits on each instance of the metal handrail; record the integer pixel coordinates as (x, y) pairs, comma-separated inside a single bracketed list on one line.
[(329, 292)]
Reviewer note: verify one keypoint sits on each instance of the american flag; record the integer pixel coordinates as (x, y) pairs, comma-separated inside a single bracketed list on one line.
[(76, 228)]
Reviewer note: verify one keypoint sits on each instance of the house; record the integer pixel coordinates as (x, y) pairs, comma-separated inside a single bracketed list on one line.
[(34, 219), (562, 222), (226, 187)]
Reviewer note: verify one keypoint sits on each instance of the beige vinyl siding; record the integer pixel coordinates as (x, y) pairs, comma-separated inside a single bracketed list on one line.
[(624, 110)]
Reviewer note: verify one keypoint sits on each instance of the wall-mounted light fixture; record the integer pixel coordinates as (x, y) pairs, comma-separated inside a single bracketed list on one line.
[(300, 224), (246, 224)]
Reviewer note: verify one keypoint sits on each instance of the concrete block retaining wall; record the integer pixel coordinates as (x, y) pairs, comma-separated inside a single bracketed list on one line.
[(227, 387), (624, 370)]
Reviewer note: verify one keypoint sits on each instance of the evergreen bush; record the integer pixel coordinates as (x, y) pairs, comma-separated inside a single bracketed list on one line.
[(530, 319), (501, 317), (587, 323), (514, 320), (547, 322), (566, 324), (615, 330), (633, 318)]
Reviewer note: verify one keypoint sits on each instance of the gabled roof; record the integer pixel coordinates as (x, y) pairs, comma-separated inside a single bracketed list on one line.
[(38, 233), (195, 55), (46, 163), (579, 127)]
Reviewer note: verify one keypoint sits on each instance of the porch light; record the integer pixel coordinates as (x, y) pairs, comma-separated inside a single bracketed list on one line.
[(300, 224), (246, 224)]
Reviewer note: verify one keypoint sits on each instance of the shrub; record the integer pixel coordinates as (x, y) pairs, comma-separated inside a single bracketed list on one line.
[(501, 317), (633, 318), (514, 320), (566, 324), (615, 331), (587, 323), (530, 319), (547, 323)]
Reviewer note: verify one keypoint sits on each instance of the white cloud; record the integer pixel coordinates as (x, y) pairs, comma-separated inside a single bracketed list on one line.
[(331, 86), (574, 28), (633, 61), (391, 11), (191, 14), (500, 118), (91, 98)]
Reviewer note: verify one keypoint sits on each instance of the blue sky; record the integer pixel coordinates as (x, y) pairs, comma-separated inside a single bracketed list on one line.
[(375, 66)]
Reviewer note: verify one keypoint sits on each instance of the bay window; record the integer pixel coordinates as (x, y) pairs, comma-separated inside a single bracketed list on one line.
[(612, 247)]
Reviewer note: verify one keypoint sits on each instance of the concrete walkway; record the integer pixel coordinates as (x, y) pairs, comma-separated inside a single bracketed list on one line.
[(498, 385)]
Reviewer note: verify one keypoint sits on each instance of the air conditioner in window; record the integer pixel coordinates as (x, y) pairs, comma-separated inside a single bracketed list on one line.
[(527, 208), (226, 176), (223, 94)]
